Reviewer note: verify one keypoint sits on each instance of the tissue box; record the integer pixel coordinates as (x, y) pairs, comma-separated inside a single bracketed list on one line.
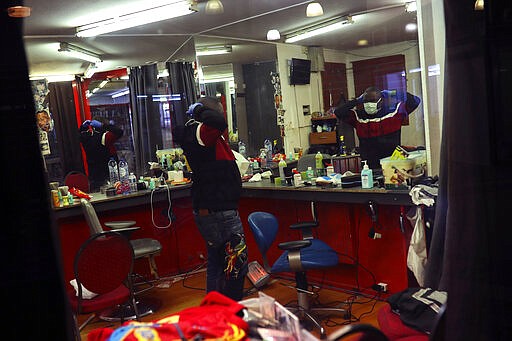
[(397, 172)]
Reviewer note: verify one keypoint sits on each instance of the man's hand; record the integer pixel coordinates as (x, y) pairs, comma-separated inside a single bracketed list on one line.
[(192, 107), (360, 99), (387, 93), (96, 124)]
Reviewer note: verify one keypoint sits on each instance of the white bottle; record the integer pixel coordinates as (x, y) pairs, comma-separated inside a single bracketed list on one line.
[(282, 165), (113, 171), (241, 148), (124, 177), (133, 183), (366, 176)]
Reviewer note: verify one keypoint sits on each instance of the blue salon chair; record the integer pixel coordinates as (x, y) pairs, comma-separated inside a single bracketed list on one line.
[(298, 256)]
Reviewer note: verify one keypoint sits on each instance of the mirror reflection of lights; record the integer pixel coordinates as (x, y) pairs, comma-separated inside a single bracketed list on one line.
[(411, 27), (362, 42)]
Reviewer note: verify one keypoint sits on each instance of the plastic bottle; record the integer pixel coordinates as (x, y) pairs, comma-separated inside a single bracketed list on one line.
[(366, 176), (319, 165), (343, 147), (263, 157), (113, 171), (133, 183), (241, 148), (124, 175), (255, 167), (282, 165), (310, 173), (268, 147)]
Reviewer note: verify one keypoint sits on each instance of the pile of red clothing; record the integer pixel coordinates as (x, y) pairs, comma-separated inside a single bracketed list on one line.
[(217, 317)]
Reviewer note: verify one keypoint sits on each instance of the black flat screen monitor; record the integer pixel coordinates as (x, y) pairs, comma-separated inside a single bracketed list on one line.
[(300, 71)]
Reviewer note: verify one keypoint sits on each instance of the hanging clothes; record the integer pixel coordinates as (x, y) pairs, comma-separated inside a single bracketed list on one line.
[(421, 195)]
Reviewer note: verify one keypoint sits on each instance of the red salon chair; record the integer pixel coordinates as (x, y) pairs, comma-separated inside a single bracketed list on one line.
[(142, 248), (298, 257), (103, 273), (78, 180)]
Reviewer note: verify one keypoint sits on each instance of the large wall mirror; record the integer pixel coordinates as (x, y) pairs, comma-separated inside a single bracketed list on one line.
[(243, 78)]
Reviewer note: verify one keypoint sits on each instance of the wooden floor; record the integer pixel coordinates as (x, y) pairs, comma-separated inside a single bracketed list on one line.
[(179, 292)]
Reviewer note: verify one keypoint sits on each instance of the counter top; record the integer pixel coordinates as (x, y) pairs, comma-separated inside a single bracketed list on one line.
[(267, 189), (102, 202), (262, 189)]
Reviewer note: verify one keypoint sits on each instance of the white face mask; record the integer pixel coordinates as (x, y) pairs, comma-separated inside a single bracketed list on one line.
[(371, 108)]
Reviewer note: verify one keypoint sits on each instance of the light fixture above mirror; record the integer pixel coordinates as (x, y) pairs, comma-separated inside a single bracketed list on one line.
[(314, 9), (214, 7), (80, 53)]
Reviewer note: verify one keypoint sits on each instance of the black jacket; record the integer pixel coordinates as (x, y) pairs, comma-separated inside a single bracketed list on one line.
[(216, 179)]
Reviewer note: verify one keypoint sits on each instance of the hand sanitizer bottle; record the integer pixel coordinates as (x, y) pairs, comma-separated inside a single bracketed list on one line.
[(366, 176)]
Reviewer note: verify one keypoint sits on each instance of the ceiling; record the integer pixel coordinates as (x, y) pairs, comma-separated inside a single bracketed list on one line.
[(243, 25)]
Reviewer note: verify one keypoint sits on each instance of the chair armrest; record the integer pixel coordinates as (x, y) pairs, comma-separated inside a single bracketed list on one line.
[(304, 225), (120, 224), (294, 245)]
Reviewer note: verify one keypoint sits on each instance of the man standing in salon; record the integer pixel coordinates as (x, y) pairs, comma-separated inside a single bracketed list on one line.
[(377, 122), (98, 137), (216, 189)]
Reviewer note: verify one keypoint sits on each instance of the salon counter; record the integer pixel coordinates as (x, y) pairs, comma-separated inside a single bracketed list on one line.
[(355, 195), (344, 223)]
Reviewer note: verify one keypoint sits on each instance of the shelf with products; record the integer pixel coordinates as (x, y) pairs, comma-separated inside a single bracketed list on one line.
[(323, 130)]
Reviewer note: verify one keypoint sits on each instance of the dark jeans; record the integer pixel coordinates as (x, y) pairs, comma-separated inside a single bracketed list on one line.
[(227, 252)]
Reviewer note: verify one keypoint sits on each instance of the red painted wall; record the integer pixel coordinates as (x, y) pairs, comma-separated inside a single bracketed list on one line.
[(343, 226)]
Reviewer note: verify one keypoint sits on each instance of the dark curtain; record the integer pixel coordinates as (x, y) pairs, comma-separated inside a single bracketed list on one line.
[(470, 253), (147, 132), (261, 110), (62, 108), (183, 83), (31, 260)]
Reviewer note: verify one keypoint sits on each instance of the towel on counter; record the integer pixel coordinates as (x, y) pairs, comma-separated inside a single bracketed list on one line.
[(255, 178)]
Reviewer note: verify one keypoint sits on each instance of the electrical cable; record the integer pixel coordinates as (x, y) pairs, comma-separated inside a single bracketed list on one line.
[(168, 209), (185, 276)]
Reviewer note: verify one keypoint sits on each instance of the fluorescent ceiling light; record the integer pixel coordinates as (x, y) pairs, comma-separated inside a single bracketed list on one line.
[(173, 9), (54, 78), (121, 93), (80, 53), (314, 9), (273, 35), (91, 70), (213, 50), (318, 29)]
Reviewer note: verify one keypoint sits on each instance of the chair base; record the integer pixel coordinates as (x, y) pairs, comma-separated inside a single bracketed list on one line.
[(145, 306), (312, 318)]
